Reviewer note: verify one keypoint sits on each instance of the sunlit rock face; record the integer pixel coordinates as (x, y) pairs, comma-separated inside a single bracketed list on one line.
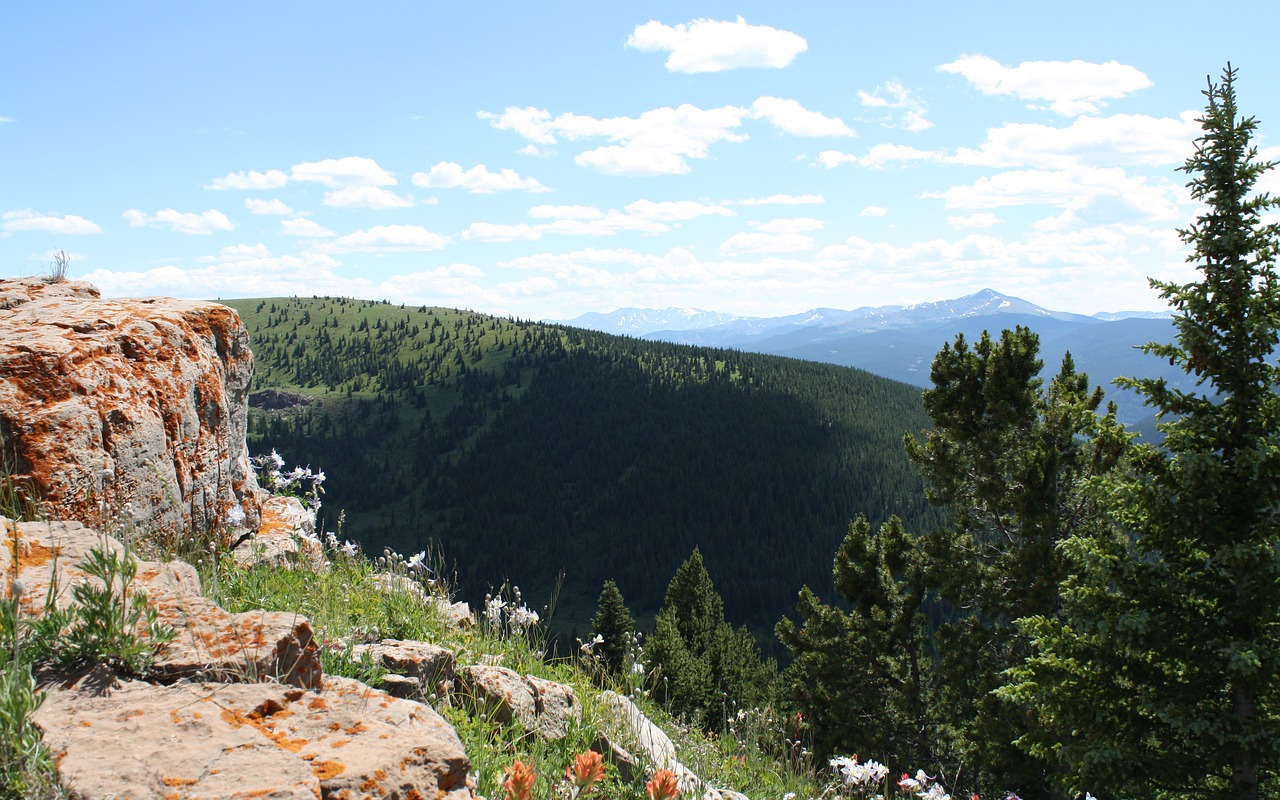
[(135, 408)]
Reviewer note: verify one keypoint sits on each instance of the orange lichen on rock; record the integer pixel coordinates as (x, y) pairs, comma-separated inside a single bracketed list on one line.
[(327, 770)]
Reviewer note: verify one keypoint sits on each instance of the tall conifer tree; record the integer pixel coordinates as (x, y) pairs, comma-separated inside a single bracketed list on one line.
[(1162, 676)]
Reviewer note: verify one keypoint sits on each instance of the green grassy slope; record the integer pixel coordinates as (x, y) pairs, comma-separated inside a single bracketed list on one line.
[(526, 451)]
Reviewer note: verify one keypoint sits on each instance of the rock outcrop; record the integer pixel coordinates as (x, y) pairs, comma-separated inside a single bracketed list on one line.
[(115, 738), (141, 404), (540, 706), (211, 644)]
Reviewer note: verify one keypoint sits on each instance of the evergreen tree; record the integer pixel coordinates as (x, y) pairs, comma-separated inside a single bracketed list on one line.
[(861, 678), (1165, 665), (699, 665), (1007, 459), (614, 625)]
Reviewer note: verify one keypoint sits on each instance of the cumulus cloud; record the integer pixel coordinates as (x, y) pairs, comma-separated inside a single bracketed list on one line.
[(893, 95), (26, 219), (673, 211), (273, 206), (1072, 188), (188, 222), (707, 45), (271, 179), (304, 227), (348, 171), (1069, 87), (491, 232), (983, 219), (880, 156), (374, 197), (873, 211), (387, 239), (791, 225), (478, 179), (760, 242), (565, 212), (795, 119), (1134, 139), (785, 200), (659, 142)]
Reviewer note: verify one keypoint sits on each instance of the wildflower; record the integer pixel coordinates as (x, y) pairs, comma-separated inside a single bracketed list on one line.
[(917, 784), (588, 648), (349, 548), (311, 537), (523, 617), (416, 561), (789, 796), (235, 516), (493, 607), (664, 786), (935, 792), (276, 459), (519, 782), (587, 768)]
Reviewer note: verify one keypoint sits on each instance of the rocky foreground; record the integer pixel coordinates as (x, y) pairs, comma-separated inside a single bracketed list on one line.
[(140, 407)]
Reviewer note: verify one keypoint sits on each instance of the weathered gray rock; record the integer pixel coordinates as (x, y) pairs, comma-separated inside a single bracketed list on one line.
[(285, 536), (191, 740), (652, 745), (210, 643), (432, 666), (542, 706), (140, 403)]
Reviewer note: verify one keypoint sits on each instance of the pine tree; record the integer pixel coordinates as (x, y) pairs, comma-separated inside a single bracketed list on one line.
[(862, 677), (699, 665), (1165, 664), (614, 625), (1007, 459)]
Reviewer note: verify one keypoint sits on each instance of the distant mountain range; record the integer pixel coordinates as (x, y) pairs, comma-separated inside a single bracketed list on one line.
[(900, 342)]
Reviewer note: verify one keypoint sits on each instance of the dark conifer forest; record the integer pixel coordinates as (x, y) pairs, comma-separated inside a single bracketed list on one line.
[(526, 452)]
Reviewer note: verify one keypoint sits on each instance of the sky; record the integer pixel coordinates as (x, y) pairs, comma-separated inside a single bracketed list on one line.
[(543, 160)]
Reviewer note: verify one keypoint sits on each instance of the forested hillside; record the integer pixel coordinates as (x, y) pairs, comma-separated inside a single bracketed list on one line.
[(526, 451)]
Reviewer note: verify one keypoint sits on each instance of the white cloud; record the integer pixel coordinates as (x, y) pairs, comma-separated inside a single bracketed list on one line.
[(1074, 189), (251, 180), (896, 96), (348, 171), (3, 120), (706, 45), (673, 211), (1111, 141), (478, 179), (373, 197), (873, 211), (534, 124), (880, 156), (983, 219), (185, 222), (490, 232), (795, 119), (272, 206), (785, 200), (1070, 87), (304, 227), (387, 239), (791, 225), (659, 142), (766, 243), (565, 212), (28, 220)]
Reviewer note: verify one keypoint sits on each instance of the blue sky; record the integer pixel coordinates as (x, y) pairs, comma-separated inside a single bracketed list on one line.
[(545, 160)]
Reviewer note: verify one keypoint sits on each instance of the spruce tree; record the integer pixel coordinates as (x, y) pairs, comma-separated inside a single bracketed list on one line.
[(862, 678), (1162, 675), (614, 625), (1007, 459)]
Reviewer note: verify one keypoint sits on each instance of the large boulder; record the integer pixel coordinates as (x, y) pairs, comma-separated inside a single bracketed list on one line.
[(210, 644), (114, 738), (133, 406), (538, 705)]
